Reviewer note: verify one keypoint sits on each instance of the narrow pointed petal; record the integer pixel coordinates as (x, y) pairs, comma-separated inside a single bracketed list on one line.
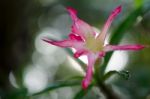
[(73, 13), (123, 47), (64, 43), (87, 80), (103, 33), (80, 27), (89, 72)]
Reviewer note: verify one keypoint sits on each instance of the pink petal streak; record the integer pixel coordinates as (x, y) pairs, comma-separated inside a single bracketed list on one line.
[(89, 72), (124, 47), (72, 13), (103, 33), (64, 43)]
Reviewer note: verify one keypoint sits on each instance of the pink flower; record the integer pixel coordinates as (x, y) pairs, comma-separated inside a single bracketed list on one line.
[(83, 38)]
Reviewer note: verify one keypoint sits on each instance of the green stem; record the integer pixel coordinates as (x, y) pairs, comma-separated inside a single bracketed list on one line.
[(107, 91)]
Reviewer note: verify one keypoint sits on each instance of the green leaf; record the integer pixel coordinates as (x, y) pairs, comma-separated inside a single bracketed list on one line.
[(118, 34), (82, 93), (124, 74), (74, 78), (56, 85)]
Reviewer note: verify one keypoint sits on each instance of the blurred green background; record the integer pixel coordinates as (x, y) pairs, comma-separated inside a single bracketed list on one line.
[(28, 65)]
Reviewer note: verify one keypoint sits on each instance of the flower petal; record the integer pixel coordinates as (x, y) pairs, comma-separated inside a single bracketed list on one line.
[(89, 72), (114, 13), (64, 43), (123, 47), (80, 27), (73, 13)]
